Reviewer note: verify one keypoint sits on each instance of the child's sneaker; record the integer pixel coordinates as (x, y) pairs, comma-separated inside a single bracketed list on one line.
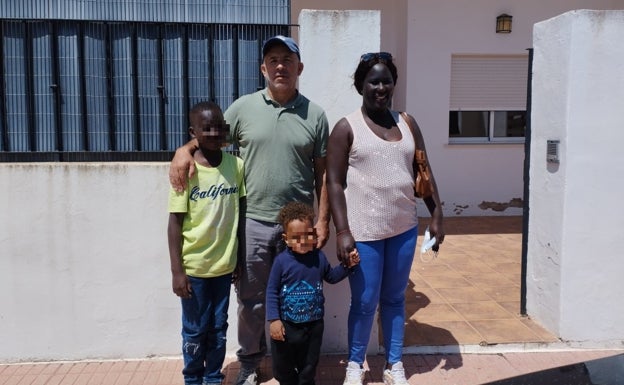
[(395, 375), (355, 374)]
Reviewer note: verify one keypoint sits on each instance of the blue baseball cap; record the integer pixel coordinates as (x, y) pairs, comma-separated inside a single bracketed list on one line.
[(279, 39)]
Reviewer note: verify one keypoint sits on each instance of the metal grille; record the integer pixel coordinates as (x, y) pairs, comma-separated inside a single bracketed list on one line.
[(97, 90), (176, 11)]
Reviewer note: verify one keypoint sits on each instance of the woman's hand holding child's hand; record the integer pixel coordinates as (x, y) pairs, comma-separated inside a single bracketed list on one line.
[(353, 259)]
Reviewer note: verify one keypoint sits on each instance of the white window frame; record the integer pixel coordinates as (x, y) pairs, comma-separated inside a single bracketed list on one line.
[(475, 90), (490, 138)]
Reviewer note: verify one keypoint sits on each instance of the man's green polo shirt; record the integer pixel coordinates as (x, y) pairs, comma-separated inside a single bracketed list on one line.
[(278, 145)]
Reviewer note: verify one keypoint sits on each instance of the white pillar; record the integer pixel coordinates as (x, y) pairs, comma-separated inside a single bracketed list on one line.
[(575, 244), (331, 44)]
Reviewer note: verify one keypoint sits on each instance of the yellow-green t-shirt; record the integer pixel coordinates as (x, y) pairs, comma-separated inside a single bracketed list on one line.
[(211, 205)]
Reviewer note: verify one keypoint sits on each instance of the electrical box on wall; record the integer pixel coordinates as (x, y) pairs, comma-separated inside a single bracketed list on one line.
[(552, 151)]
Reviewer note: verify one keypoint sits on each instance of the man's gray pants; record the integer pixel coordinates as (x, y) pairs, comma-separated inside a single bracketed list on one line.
[(263, 241)]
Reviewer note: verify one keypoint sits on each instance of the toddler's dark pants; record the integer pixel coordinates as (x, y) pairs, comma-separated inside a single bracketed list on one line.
[(295, 360)]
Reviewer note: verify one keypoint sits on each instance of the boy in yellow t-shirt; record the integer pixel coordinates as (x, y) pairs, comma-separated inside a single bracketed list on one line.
[(203, 235)]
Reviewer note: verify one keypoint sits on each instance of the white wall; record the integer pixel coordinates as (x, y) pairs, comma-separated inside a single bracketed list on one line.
[(392, 36), (575, 267), (84, 270), (331, 43), (469, 174)]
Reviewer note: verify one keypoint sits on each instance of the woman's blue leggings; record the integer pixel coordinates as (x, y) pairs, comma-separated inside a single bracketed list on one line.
[(380, 279)]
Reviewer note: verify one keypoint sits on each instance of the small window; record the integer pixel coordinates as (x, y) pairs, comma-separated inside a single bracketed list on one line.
[(488, 98), (509, 124), (487, 125)]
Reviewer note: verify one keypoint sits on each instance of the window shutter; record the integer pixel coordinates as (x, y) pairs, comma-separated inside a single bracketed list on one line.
[(484, 83)]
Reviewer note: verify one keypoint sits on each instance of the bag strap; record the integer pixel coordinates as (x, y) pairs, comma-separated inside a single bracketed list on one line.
[(421, 161), (407, 121), (419, 155)]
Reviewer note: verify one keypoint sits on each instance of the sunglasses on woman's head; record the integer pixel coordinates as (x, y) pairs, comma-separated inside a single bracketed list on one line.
[(376, 55)]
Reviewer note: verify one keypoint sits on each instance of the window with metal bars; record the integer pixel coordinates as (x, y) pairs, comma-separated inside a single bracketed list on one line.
[(107, 91)]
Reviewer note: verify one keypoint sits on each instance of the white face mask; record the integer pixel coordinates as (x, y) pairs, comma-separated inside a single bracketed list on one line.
[(427, 254)]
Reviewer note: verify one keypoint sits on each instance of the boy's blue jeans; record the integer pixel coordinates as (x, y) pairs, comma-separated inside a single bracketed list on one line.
[(204, 327)]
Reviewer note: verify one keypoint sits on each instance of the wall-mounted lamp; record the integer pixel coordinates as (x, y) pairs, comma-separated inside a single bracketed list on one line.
[(503, 23)]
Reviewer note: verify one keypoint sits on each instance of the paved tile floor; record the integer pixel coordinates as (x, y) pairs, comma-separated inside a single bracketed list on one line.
[(435, 369), (468, 296)]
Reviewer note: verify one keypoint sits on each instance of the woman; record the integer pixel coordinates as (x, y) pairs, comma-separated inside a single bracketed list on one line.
[(370, 178)]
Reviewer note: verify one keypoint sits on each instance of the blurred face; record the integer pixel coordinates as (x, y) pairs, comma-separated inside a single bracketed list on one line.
[(210, 130), (300, 236), (281, 68), (378, 88)]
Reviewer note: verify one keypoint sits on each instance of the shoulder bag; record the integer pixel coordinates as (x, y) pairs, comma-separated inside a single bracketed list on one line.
[(423, 188)]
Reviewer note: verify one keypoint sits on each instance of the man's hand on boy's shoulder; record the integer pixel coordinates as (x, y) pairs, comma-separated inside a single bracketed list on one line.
[(182, 167)]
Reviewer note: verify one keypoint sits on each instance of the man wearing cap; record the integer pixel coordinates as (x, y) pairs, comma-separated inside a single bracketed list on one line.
[(282, 137)]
